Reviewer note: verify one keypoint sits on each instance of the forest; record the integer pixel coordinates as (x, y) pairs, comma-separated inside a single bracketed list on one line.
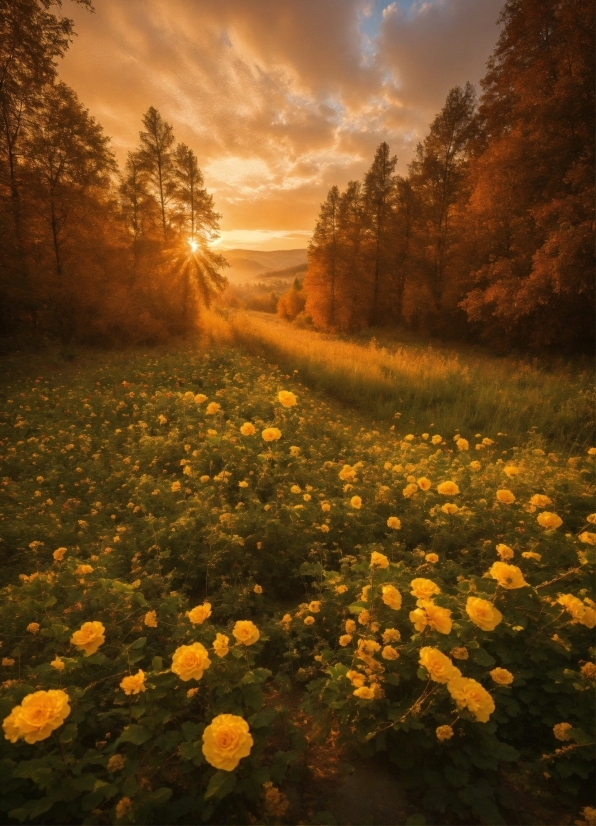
[(489, 237)]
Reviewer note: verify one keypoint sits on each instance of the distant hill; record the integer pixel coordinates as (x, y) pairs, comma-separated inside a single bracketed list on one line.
[(287, 273), (245, 265)]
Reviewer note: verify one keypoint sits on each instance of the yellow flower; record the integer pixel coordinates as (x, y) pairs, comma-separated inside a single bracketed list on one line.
[(532, 555), (540, 501), (459, 653), (505, 552), (271, 434), (508, 576), (123, 807), (33, 627), (199, 614), (592, 451), (469, 694), (549, 520), (427, 613), (439, 666), (410, 490), (7, 662), (475, 465), (245, 632), (560, 730), (589, 813), (314, 606), (294, 451), (37, 717), (59, 554), (391, 597), (424, 588), (81, 570), (432, 558), (248, 429), (150, 619), (221, 645), (423, 483), (116, 763), (287, 398), (444, 733), (356, 502), (57, 664), (378, 560), (483, 613), (295, 489), (226, 740), (505, 496), (162, 419), (191, 692), (436, 439), (190, 661), (511, 471), (345, 639), (448, 488), (588, 538), (341, 589), (364, 617), (580, 612), (462, 444), (364, 693), (134, 684), (394, 522), (356, 678), (391, 635), (175, 487), (589, 671), (501, 676), (200, 398), (89, 637), (450, 508), (389, 653), (212, 408)]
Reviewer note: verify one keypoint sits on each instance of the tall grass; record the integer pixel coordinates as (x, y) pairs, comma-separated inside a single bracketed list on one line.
[(424, 387)]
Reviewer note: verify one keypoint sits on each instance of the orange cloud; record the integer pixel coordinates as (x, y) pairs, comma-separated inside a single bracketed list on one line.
[(280, 99)]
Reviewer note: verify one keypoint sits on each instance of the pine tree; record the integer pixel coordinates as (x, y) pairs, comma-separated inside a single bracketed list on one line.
[(378, 197), (156, 157), (320, 282)]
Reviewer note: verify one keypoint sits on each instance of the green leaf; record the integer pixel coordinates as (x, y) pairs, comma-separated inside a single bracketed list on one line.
[(220, 785), (135, 734), (138, 643), (190, 730), (156, 798), (157, 663), (262, 718)]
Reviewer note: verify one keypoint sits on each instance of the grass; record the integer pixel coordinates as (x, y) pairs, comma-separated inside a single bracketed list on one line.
[(451, 389)]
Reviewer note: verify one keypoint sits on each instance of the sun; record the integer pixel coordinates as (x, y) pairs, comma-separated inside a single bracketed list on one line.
[(193, 244)]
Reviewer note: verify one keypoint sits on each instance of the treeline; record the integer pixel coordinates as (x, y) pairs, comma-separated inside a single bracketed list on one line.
[(89, 252), (490, 235)]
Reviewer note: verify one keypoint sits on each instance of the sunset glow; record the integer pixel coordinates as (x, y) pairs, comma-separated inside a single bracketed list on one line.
[(280, 100)]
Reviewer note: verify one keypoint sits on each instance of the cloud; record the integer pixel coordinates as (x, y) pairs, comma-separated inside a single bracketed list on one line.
[(280, 99)]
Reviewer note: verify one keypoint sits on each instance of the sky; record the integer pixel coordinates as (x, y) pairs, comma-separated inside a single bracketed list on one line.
[(279, 99)]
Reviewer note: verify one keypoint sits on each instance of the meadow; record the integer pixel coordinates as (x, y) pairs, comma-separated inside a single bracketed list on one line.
[(210, 565)]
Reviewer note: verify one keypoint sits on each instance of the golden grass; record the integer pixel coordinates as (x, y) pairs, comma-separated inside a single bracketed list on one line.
[(425, 386)]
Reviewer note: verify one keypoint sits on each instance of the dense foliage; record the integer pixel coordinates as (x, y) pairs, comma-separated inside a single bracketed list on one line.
[(206, 500), (89, 252), (490, 233)]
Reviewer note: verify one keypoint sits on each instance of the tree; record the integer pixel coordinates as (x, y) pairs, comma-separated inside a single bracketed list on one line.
[(139, 207), (437, 175), (68, 157), (156, 158), (31, 38), (320, 282), (531, 205), (378, 195)]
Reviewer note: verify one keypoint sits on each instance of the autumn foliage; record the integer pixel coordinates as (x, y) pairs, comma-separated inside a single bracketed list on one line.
[(490, 234)]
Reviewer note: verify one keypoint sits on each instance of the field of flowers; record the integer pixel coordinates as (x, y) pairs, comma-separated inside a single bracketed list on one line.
[(189, 539)]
